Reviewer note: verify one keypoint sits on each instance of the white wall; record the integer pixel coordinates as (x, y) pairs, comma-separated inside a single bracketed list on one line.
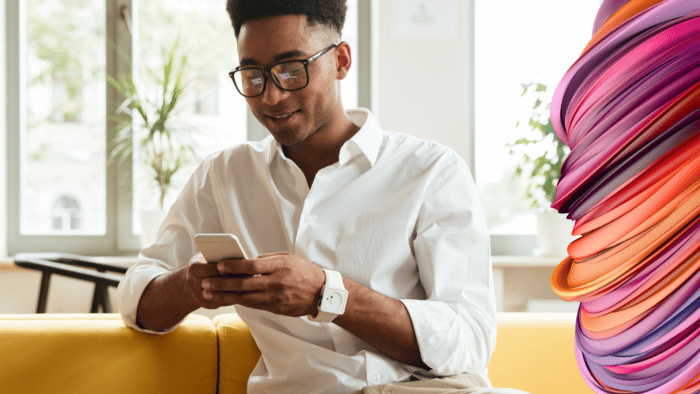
[(3, 135), (424, 77)]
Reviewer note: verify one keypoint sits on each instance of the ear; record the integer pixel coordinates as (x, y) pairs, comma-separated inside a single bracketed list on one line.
[(343, 60)]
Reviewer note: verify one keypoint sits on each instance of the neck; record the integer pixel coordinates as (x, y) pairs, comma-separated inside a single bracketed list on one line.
[(322, 148)]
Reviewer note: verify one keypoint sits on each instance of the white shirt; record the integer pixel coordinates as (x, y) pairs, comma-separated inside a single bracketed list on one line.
[(396, 214)]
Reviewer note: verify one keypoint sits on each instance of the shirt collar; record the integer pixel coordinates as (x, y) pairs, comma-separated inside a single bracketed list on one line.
[(366, 141)]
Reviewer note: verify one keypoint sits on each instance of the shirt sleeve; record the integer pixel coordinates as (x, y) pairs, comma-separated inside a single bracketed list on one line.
[(194, 211), (456, 325)]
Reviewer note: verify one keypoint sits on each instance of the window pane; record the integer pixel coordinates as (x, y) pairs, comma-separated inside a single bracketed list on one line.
[(533, 41), (63, 149), (210, 114)]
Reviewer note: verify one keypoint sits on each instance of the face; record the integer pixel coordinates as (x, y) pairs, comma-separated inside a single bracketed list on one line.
[(308, 113)]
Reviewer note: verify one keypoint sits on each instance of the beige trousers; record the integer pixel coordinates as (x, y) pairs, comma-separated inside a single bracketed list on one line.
[(457, 384)]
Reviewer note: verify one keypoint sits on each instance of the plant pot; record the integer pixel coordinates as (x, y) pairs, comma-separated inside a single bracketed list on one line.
[(150, 223), (554, 234)]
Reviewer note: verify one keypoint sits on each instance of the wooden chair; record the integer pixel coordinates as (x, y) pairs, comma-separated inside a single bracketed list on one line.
[(72, 266)]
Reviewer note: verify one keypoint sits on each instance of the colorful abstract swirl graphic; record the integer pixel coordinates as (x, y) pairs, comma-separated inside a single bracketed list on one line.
[(629, 109)]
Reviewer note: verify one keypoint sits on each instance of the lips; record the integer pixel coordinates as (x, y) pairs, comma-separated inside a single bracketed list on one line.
[(282, 117)]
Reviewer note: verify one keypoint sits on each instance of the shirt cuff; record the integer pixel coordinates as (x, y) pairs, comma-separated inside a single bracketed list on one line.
[(450, 341), (131, 289)]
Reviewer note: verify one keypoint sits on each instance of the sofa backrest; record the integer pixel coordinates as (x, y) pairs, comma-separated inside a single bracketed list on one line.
[(535, 353)]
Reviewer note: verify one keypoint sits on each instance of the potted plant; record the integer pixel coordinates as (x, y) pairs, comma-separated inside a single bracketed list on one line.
[(152, 131), (542, 155)]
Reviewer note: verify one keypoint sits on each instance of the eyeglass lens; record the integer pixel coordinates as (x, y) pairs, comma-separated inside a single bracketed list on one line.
[(287, 75)]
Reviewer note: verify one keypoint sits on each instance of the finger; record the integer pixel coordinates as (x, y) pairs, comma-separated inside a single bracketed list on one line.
[(239, 284), (213, 302), (256, 299), (222, 298), (233, 268), (247, 266), (202, 270)]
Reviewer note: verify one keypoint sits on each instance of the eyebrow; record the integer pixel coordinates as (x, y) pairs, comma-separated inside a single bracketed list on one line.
[(277, 58)]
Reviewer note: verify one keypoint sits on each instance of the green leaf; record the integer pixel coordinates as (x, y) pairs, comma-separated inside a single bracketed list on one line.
[(543, 169), (537, 103)]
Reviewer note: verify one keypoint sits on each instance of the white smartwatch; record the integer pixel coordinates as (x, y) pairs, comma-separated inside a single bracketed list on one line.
[(333, 298)]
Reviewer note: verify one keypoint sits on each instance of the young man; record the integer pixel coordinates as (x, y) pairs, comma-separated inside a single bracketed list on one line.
[(389, 224)]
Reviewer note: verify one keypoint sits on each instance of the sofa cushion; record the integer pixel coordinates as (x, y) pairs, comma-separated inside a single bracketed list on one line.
[(96, 353), (238, 353)]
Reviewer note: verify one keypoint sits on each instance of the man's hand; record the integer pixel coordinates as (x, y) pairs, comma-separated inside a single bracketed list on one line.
[(172, 296), (196, 272), (281, 283)]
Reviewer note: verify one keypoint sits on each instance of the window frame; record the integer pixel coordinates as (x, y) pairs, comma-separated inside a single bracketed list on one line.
[(118, 238), (3, 130), (501, 244)]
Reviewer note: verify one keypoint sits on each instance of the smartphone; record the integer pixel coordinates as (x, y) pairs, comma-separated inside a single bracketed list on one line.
[(216, 247)]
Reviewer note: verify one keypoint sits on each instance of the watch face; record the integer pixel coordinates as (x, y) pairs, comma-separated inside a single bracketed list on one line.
[(334, 299), (332, 302)]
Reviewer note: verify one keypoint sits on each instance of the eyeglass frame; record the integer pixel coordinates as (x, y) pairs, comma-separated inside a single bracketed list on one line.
[(268, 70)]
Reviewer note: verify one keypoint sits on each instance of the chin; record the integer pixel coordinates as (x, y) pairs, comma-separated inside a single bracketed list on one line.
[(287, 137)]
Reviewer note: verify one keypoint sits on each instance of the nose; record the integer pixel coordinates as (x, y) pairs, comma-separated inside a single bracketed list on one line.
[(273, 94)]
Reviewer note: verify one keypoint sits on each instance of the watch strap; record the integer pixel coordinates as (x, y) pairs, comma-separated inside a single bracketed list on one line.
[(334, 280), (323, 317)]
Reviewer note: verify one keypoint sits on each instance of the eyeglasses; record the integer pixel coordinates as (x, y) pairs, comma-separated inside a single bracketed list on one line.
[(289, 75)]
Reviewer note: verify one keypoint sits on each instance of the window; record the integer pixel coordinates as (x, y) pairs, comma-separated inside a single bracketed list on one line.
[(66, 214), (531, 41), (64, 106), (63, 193)]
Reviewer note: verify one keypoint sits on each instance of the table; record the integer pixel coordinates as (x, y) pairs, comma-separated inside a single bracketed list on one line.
[(503, 263)]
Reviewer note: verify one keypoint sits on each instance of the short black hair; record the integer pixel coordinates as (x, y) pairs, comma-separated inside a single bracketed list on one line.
[(330, 13)]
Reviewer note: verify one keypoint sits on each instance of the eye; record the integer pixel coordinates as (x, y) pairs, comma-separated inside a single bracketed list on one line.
[(289, 70), (252, 76)]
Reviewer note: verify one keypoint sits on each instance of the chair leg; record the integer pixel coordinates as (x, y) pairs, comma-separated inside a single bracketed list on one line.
[(43, 292), (101, 299), (96, 299), (106, 303)]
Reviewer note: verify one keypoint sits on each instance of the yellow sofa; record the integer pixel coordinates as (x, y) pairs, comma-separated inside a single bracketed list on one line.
[(95, 353)]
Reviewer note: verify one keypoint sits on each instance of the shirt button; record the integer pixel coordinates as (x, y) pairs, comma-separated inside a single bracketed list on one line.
[(307, 218), (377, 378)]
